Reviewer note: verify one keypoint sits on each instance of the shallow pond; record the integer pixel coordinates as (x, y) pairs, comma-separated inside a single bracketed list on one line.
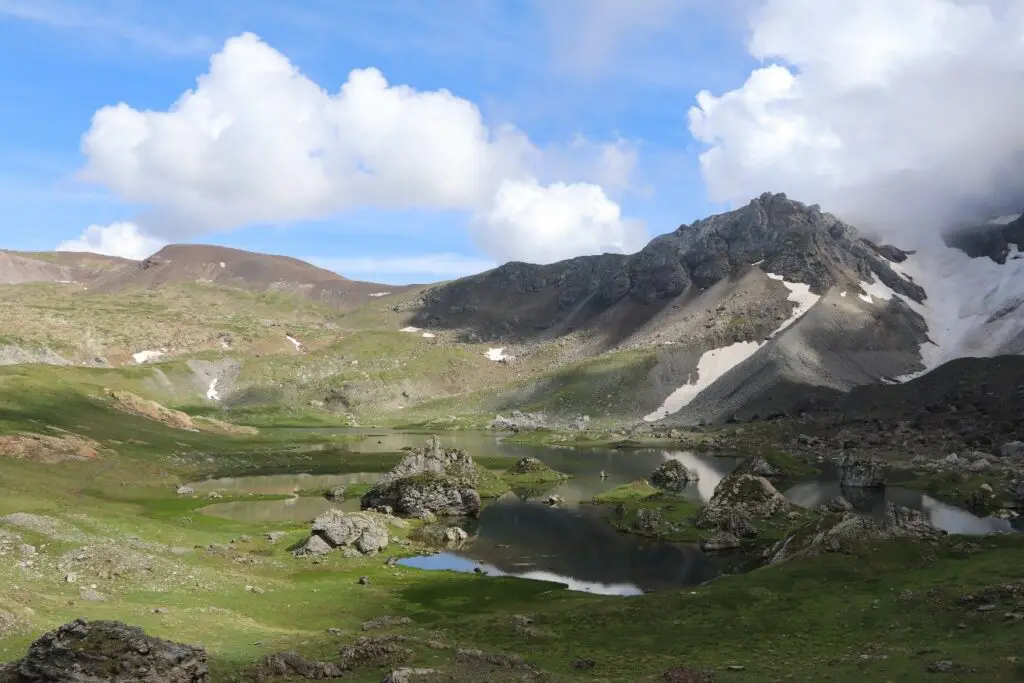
[(573, 545)]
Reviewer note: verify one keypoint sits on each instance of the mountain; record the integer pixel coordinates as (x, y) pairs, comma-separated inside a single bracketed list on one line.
[(189, 263), (743, 309), (65, 266), (774, 308)]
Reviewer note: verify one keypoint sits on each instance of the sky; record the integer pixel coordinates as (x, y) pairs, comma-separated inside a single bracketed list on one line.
[(421, 140)]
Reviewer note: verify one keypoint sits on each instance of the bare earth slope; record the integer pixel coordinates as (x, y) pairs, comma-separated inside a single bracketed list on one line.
[(187, 263), (24, 267)]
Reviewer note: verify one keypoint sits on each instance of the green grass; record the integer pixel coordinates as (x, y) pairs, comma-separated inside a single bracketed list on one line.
[(963, 489), (790, 465), (836, 617)]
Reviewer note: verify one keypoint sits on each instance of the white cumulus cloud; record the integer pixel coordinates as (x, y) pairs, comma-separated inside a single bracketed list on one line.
[(901, 115), (543, 224), (257, 141), (117, 239)]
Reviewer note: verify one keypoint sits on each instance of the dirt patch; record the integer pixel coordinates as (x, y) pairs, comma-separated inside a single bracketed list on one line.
[(48, 449), (131, 403)]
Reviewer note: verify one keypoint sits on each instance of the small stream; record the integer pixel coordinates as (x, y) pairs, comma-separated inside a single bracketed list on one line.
[(573, 545)]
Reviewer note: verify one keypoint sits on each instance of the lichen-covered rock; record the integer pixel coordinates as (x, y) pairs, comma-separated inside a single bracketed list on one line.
[(364, 531), (718, 541), (858, 472), (107, 652), (741, 494), (648, 520), (335, 493), (835, 532), (673, 474), (288, 664), (419, 494), (433, 458), (759, 466), (429, 479)]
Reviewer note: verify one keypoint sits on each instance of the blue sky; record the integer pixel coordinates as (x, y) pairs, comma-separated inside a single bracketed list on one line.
[(556, 72)]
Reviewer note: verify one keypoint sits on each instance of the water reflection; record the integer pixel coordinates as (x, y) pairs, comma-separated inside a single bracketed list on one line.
[(576, 547), (453, 562), (288, 510), (949, 518)]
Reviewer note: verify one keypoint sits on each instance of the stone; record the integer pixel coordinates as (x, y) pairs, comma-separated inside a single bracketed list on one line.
[(406, 675), (107, 652), (741, 494), (759, 466), (185, 491), (313, 547), (839, 504), (719, 541), (385, 622), (1013, 449), (454, 535), (364, 581), (648, 520), (859, 472), (673, 474), (363, 531), (519, 421), (335, 493), (290, 664), (274, 536), (581, 663), (554, 500)]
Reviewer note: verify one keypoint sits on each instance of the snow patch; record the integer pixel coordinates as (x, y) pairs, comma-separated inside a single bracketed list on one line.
[(497, 354), (211, 393), (147, 356), (1005, 220), (295, 342), (411, 329), (716, 362), (223, 265), (429, 335), (380, 293), (843, 295)]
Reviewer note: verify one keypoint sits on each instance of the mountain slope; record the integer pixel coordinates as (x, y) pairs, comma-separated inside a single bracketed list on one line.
[(189, 263), (65, 267)]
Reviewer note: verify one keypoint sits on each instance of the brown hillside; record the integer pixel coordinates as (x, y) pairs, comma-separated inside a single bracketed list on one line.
[(66, 266), (183, 263)]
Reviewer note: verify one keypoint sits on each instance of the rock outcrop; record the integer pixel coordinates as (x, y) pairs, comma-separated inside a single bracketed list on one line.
[(673, 474), (860, 473), (519, 421), (429, 479), (106, 652), (528, 466), (743, 495), (836, 532)]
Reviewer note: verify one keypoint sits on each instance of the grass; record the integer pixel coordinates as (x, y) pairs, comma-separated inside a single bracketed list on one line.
[(973, 491), (838, 617)]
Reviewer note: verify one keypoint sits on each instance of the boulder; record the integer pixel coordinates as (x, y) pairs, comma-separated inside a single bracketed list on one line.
[(289, 664), (648, 520), (335, 493), (859, 472), (741, 494), (836, 532), (313, 546), (420, 494), (185, 491), (759, 466), (1013, 449), (673, 474), (519, 421), (838, 504), (364, 531), (107, 652), (528, 466), (720, 540)]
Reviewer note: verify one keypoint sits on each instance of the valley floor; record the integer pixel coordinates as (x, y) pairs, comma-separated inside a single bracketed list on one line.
[(110, 539)]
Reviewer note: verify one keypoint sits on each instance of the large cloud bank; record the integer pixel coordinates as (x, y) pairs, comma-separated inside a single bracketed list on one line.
[(257, 141), (900, 115)]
